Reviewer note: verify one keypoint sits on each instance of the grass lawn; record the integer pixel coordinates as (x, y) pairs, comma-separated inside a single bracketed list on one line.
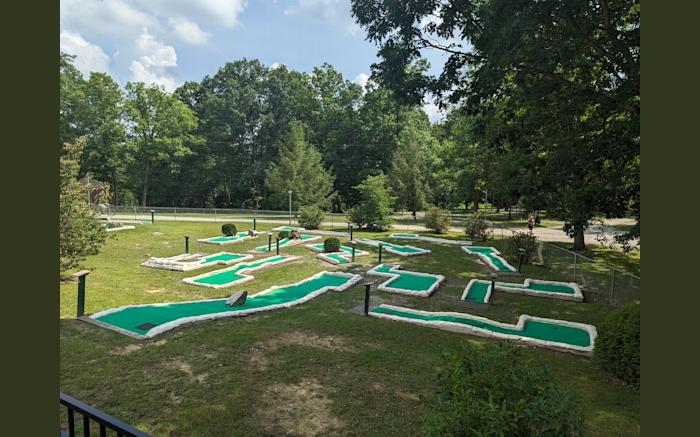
[(314, 369)]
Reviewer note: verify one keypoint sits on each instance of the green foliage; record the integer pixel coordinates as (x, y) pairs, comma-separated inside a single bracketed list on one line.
[(298, 168), (407, 174), (310, 217), (283, 234), (491, 390), (80, 233), (520, 240), (476, 227), (374, 210), (617, 347), (438, 220), (331, 244), (229, 229)]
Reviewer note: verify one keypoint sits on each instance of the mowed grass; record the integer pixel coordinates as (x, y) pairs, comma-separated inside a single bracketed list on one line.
[(315, 368)]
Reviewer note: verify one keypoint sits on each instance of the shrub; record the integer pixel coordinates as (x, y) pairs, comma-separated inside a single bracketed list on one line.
[(374, 209), (476, 227), (283, 234), (491, 390), (520, 240), (331, 245), (617, 346), (228, 229), (437, 220), (310, 217)]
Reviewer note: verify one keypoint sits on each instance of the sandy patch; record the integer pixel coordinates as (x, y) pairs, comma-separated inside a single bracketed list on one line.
[(260, 352)]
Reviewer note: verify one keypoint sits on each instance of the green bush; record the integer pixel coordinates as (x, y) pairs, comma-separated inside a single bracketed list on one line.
[(520, 240), (491, 390), (310, 217), (331, 245), (283, 234), (229, 229), (476, 227), (617, 347), (437, 220), (374, 209)]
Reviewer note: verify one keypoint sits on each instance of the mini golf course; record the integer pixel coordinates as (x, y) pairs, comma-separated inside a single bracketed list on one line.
[(479, 291), (430, 239), (396, 249), (491, 256), (560, 335), (145, 321), (344, 256), (192, 261), (287, 242), (405, 282), (236, 274), (240, 236), (288, 228)]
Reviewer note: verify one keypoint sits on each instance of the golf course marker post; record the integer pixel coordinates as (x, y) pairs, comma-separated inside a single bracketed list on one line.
[(277, 243), (353, 250), (350, 232), (269, 242), (493, 287), (520, 259), (187, 244), (153, 217), (255, 228), (367, 285), (380, 252), (81, 291)]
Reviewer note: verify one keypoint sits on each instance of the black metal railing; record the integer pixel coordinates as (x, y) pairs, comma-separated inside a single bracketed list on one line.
[(104, 421)]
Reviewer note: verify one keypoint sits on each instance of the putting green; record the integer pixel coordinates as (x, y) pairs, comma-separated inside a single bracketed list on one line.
[(343, 256), (479, 290), (491, 256), (550, 333), (150, 320), (288, 242), (418, 237), (396, 249), (235, 274), (405, 282), (186, 262), (240, 236)]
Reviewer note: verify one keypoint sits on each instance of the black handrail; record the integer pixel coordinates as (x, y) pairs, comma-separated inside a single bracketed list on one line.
[(105, 421)]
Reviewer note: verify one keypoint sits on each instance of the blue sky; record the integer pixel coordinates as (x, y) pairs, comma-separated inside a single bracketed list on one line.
[(171, 41)]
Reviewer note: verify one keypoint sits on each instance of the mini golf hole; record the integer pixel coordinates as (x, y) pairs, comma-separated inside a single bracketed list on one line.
[(145, 326)]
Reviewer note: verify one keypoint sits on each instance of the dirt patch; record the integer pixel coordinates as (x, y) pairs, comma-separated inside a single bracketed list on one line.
[(381, 388), (260, 352), (299, 409), (186, 368), (130, 348), (155, 290)]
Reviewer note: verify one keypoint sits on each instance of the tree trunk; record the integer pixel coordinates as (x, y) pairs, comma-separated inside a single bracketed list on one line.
[(115, 199), (144, 198), (579, 241), (510, 216), (476, 205)]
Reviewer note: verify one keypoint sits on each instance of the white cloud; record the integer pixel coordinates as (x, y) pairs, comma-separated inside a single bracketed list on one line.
[(188, 31), (106, 17), (275, 65), (89, 57), (156, 63), (361, 79), (222, 12), (435, 114), (333, 13)]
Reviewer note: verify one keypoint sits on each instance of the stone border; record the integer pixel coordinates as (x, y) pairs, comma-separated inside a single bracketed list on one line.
[(467, 289), (282, 228), (375, 243), (577, 296), (120, 228), (177, 264), (245, 278), (321, 232), (324, 256), (486, 258), (430, 239), (289, 243), (221, 243), (354, 279), (522, 320), (396, 267)]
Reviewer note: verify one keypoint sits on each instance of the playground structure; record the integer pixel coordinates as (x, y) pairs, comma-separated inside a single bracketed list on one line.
[(344, 256), (192, 261), (285, 242), (228, 239), (491, 256), (479, 291), (431, 239), (406, 282), (396, 249), (146, 321), (561, 335), (236, 274)]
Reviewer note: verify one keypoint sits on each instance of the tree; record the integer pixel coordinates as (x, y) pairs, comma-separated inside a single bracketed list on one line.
[(564, 76), (298, 168), (374, 210), (160, 128), (408, 169), (71, 101), (80, 234)]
